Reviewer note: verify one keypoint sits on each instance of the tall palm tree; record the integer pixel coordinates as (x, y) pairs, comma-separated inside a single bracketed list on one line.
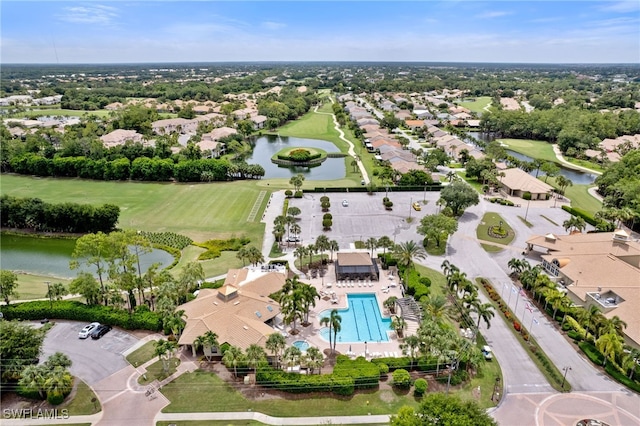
[(322, 243), (411, 346), (372, 244), (309, 296), (589, 319), (485, 312), (163, 349), (58, 381), (385, 243), (334, 246), (630, 361), (517, 266), (233, 357), (563, 183), (399, 324), (405, 253), (314, 359), (276, 343), (326, 322), (292, 356), (207, 340), (255, 356), (611, 346), (300, 252), (333, 321), (611, 325), (32, 378), (175, 322)]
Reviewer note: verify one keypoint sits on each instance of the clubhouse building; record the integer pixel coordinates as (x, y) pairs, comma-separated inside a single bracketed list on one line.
[(601, 269)]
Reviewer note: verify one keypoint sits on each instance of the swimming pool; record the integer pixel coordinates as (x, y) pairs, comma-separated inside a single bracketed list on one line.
[(361, 321), (303, 345)]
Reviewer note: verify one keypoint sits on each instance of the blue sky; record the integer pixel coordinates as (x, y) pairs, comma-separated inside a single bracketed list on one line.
[(209, 31)]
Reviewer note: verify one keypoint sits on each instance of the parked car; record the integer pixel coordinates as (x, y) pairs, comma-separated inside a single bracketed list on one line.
[(100, 331), (417, 207), (345, 203), (486, 352), (86, 331), (293, 239)]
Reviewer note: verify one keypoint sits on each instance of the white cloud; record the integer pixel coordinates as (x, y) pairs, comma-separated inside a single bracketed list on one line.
[(270, 25), (493, 14), (622, 6), (94, 14)]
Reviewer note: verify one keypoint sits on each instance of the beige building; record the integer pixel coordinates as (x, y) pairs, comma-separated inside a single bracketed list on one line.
[(601, 269), (516, 182), (240, 312)]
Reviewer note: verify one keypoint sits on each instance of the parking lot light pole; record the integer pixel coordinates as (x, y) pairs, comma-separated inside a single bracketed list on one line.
[(564, 378)]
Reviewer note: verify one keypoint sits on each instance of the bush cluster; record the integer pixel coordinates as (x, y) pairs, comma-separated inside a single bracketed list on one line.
[(418, 286), (140, 319), (501, 201), (167, 239), (216, 247), (588, 218)]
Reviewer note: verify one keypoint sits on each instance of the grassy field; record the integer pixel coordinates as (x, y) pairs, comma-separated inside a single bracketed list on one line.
[(191, 392), (478, 105), (493, 219), (82, 403), (580, 197), (32, 286), (143, 354), (156, 371), (535, 149), (200, 211)]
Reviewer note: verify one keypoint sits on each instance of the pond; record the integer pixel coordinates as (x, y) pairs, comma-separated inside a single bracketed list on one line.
[(51, 256), (266, 146), (576, 176)]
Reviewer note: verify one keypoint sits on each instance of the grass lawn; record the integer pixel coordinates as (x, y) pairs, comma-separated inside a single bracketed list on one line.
[(200, 211), (580, 197), (438, 280), (584, 163), (433, 250), (478, 105), (535, 149), (210, 423), (143, 354), (489, 220), (82, 403), (31, 286), (191, 392), (156, 372)]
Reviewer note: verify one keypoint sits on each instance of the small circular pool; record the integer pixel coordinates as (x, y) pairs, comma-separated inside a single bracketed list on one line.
[(303, 345)]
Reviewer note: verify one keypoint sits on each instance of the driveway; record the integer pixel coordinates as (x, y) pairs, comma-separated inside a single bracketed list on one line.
[(93, 360)]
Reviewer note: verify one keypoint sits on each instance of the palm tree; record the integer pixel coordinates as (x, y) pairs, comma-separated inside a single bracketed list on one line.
[(309, 296), (485, 312), (405, 253), (589, 318), (411, 346), (611, 325), (292, 356), (300, 252), (326, 322), (242, 254), (390, 304), (517, 266), (254, 255), (32, 378), (58, 381), (207, 340), (436, 306), (276, 343), (372, 244), (610, 345), (163, 349), (255, 356), (175, 322), (311, 250), (574, 222), (563, 183), (630, 361), (333, 321), (233, 357), (314, 359), (399, 324), (334, 246), (322, 243), (385, 243)]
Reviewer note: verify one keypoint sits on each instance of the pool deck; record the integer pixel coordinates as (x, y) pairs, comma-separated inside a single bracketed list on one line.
[(383, 289)]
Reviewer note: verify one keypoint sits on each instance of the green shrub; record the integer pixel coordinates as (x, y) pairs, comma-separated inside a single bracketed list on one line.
[(55, 398), (592, 353), (393, 363), (77, 311), (298, 194), (169, 239), (216, 247), (384, 369), (288, 193), (621, 378), (575, 335), (526, 195), (327, 216), (401, 379), (420, 387)]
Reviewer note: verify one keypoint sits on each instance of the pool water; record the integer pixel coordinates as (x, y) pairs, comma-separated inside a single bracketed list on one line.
[(362, 321), (303, 345)]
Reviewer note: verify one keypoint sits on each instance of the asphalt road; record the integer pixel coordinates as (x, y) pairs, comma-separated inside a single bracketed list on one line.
[(93, 360)]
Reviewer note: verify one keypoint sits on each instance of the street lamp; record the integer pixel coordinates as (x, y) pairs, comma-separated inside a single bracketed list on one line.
[(410, 206), (49, 294), (564, 378), (365, 349), (424, 198)]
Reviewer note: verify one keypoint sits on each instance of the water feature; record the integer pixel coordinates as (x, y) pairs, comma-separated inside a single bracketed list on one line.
[(303, 345), (362, 321), (51, 256), (577, 177), (266, 146)]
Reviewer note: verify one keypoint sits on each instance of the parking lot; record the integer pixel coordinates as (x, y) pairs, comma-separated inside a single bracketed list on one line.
[(93, 360), (364, 217)]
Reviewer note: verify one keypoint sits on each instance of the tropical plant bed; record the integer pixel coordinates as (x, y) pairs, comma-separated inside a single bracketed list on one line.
[(494, 229), (298, 155)]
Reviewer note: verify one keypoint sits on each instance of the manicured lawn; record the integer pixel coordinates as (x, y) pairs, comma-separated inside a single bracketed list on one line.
[(535, 149), (580, 197), (32, 286), (156, 372), (584, 163), (478, 105), (489, 220), (143, 354), (192, 392), (200, 211), (82, 403), (438, 280)]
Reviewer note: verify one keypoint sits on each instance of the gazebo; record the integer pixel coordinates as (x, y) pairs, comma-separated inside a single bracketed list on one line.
[(356, 266)]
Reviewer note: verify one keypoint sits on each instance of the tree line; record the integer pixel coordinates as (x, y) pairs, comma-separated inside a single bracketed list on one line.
[(35, 214)]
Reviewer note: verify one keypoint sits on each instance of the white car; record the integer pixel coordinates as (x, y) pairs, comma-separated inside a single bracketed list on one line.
[(486, 351), (345, 203), (86, 331)]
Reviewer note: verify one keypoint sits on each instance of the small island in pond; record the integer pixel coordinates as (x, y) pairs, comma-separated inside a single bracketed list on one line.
[(300, 156)]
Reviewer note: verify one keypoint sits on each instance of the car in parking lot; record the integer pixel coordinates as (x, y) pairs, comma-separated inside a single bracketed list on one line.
[(345, 203), (293, 239), (417, 207), (100, 331), (486, 352), (87, 329)]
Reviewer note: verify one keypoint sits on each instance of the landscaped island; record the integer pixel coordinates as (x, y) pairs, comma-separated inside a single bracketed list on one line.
[(297, 156)]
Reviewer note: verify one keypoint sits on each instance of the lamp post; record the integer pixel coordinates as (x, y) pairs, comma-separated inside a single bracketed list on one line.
[(365, 349), (424, 198), (410, 206), (526, 213), (48, 283), (564, 377)]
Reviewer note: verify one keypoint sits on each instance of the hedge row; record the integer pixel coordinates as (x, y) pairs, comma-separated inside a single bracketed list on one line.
[(348, 375), (587, 217), (140, 319), (501, 201)]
